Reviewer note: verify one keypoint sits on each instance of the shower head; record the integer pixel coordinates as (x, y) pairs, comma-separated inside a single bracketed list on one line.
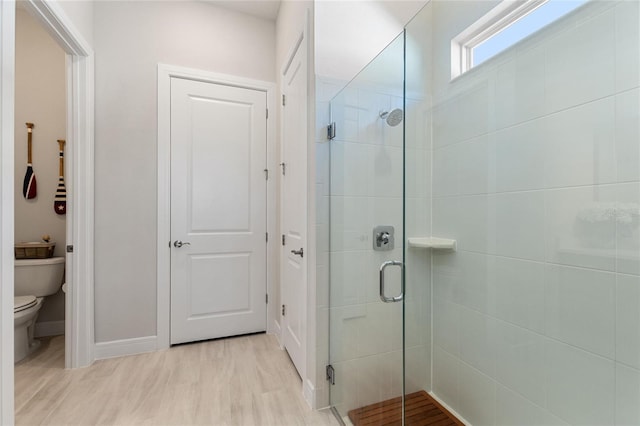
[(393, 117)]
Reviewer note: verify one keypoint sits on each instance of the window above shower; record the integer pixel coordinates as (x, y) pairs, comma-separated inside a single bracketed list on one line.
[(505, 25)]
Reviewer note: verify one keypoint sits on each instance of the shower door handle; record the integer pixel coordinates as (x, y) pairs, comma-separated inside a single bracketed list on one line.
[(399, 297)]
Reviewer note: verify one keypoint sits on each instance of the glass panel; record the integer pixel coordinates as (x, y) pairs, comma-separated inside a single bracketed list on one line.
[(366, 192), (418, 223)]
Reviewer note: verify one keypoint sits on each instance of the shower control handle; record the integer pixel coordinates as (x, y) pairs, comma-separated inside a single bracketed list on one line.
[(178, 243), (382, 239), (399, 297)]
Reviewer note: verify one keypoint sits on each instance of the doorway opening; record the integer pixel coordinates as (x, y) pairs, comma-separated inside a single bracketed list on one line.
[(78, 324), (40, 219), (40, 225)]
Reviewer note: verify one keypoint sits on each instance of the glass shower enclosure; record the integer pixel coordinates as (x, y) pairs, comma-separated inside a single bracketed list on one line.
[(367, 235), (485, 228), (379, 191)]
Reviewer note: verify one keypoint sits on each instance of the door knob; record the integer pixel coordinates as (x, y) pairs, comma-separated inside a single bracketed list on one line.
[(178, 243), (298, 252)]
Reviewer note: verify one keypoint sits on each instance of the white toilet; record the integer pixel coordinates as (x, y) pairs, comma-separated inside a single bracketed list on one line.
[(34, 279)]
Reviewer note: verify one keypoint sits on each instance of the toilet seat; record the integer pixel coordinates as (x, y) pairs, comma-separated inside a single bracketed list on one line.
[(21, 303)]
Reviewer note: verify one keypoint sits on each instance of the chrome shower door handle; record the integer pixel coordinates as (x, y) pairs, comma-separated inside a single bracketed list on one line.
[(399, 297)]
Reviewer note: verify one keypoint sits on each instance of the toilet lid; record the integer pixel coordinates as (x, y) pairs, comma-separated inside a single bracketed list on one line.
[(20, 303)]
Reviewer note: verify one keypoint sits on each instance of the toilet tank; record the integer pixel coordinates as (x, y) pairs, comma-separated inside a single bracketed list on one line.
[(38, 277)]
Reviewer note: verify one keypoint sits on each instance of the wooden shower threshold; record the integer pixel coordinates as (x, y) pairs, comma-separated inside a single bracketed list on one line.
[(420, 410)]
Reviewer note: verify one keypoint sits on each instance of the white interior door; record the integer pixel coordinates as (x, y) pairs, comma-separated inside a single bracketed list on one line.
[(218, 210), (294, 208)]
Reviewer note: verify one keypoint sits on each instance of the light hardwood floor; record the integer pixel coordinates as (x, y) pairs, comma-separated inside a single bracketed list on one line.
[(241, 381)]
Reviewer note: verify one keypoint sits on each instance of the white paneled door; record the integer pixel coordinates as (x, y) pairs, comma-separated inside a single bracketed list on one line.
[(294, 208), (218, 210)]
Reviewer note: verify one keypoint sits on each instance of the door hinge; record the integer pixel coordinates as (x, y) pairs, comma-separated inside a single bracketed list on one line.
[(283, 311), (283, 100), (69, 249), (331, 130), (266, 237), (266, 174), (331, 374), (267, 113), (284, 168), (282, 239), (266, 298)]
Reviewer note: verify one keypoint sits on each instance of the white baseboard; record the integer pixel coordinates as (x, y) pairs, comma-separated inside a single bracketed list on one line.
[(276, 330), (309, 393), (322, 398), (49, 328), (126, 347)]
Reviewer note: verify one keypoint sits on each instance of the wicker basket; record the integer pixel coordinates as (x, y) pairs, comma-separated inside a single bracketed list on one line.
[(34, 250)]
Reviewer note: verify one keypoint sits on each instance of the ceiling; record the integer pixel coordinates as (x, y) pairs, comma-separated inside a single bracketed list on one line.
[(265, 9)]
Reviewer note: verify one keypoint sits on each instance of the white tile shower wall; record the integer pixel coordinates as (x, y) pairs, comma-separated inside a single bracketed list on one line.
[(417, 222), (627, 395), (513, 409), (627, 135), (627, 52), (628, 320), (536, 173)]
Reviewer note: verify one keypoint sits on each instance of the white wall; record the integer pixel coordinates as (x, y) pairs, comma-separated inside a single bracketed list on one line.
[(40, 99), (536, 173), (80, 13), (130, 39), (349, 34)]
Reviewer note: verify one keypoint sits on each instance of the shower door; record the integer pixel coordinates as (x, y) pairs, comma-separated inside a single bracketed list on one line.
[(366, 248)]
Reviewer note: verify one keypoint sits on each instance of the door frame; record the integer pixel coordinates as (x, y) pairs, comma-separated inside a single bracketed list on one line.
[(79, 299), (163, 271)]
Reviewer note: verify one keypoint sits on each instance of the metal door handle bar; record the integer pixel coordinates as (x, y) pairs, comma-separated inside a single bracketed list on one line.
[(298, 252), (399, 297), (178, 243)]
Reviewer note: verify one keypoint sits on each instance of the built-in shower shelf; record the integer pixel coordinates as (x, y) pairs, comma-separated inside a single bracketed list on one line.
[(433, 243)]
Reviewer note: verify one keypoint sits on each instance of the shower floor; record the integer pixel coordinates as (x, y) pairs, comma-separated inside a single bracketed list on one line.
[(420, 410)]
